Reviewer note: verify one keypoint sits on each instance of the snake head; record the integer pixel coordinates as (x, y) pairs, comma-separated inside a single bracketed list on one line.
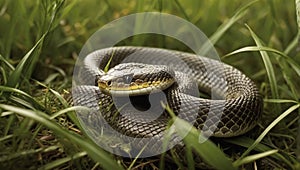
[(135, 79)]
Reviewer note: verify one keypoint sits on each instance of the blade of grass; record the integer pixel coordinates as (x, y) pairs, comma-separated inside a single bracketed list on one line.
[(29, 98), (210, 153), (95, 152), (207, 150), (6, 62), (10, 122), (267, 130), (27, 152), (181, 9), (6, 137), (280, 101), (69, 109), (4, 75), (293, 63), (255, 157), (61, 72), (15, 76), (268, 65), (224, 27), (17, 100), (247, 142), (135, 159), (190, 158), (71, 115), (14, 90), (292, 44), (106, 68), (61, 161)]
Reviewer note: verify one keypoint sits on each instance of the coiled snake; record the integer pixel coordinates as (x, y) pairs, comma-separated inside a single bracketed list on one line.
[(152, 75)]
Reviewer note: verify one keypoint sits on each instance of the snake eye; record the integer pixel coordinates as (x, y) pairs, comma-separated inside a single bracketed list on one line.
[(127, 79)]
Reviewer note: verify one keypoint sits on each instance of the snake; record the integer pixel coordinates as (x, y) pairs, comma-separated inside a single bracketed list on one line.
[(214, 97)]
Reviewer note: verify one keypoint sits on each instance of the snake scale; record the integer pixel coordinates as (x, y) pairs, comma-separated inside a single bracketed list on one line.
[(233, 109)]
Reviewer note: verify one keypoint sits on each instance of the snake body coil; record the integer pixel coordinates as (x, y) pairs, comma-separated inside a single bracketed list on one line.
[(234, 107)]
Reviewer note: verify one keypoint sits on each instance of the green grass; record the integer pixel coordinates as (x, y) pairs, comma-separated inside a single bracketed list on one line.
[(40, 42)]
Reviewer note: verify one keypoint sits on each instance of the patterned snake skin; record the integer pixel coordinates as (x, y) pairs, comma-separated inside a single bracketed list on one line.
[(233, 108)]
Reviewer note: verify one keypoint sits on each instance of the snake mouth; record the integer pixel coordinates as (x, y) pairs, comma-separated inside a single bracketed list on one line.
[(134, 88)]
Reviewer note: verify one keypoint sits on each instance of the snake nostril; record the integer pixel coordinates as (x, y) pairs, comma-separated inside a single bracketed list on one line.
[(108, 83)]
